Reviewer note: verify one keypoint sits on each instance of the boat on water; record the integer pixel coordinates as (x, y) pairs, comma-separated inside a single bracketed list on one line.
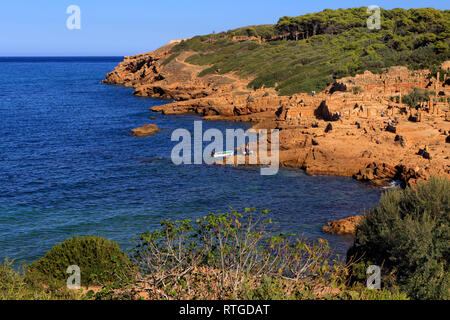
[(394, 185)]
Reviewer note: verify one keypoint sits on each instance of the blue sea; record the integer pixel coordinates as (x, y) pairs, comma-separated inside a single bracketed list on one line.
[(69, 166)]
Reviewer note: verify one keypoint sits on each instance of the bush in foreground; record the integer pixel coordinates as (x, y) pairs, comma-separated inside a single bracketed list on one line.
[(408, 233), (219, 256), (100, 261), (14, 285), (240, 256)]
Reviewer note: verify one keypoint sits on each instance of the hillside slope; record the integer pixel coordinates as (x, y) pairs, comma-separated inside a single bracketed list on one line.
[(307, 53), (364, 81)]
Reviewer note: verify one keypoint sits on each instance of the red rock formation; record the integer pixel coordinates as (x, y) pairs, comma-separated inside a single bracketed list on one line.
[(360, 111), (344, 227), (146, 130)]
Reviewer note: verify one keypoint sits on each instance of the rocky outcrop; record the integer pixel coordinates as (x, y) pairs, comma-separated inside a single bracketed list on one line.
[(412, 176), (379, 175), (344, 227), (165, 74), (353, 128), (382, 174), (146, 130)]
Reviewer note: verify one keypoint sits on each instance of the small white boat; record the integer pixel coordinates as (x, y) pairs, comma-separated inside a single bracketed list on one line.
[(394, 184), (224, 154)]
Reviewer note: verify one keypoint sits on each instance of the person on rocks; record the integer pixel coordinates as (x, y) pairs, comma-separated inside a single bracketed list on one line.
[(425, 153)]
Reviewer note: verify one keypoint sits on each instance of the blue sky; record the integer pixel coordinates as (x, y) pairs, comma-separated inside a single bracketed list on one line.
[(38, 27)]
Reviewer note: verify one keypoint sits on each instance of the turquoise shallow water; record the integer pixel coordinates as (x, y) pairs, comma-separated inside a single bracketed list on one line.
[(68, 165)]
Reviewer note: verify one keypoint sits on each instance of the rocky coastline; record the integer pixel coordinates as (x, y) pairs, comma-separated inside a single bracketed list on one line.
[(354, 128), (344, 227), (370, 137)]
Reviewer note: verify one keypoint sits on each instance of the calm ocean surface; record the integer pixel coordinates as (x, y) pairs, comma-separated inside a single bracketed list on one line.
[(69, 166)]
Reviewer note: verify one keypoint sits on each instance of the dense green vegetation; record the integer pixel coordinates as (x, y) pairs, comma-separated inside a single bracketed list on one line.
[(243, 256), (219, 256), (415, 97), (15, 286), (308, 52), (99, 259), (408, 233)]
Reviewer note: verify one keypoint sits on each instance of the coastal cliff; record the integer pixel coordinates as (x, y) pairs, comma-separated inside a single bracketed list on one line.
[(361, 126)]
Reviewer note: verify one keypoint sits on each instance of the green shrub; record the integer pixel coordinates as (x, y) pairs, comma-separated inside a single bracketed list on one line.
[(408, 235), (15, 286), (360, 292), (417, 96), (357, 90), (223, 256), (270, 288), (171, 58), (207, 71), (276, 288), (100, 261)]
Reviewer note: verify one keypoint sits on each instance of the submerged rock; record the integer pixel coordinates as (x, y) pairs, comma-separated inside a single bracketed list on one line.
[(145, 131)]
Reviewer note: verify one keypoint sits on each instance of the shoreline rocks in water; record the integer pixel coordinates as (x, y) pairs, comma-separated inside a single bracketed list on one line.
[(343, 227), (146, 130), (357, 146)]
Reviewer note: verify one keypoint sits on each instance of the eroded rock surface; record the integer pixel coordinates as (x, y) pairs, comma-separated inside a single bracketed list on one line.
[(344, 227), (146, 130), (370, 134)]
